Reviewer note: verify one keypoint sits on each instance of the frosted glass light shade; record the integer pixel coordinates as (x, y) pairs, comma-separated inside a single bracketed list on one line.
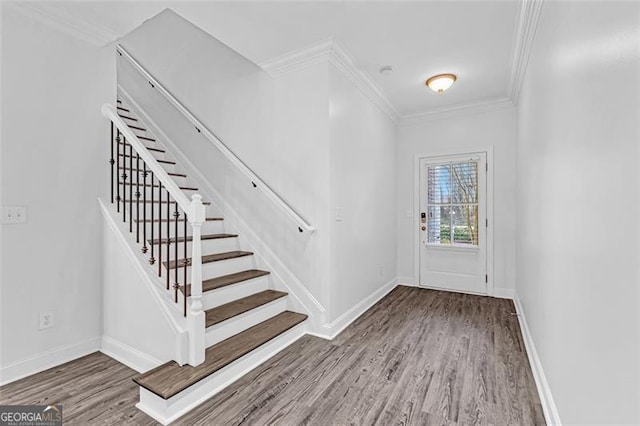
[(441, 82)]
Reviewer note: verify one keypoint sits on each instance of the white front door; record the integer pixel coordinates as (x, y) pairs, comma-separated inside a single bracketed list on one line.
[(453, 218)]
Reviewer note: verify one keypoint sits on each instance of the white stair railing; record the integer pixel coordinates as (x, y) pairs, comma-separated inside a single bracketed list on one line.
[(194, 212)]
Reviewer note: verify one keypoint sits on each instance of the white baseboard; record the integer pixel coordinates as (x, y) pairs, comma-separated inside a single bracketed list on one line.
[(48, 359), (546, 399), (125, 354), (407, 281), (504, 293), (332, 329)]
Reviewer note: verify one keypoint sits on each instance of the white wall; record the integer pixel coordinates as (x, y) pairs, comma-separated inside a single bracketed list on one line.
[(463, 132), (577, 205), (54, 161), (140, 327), (362, 182)]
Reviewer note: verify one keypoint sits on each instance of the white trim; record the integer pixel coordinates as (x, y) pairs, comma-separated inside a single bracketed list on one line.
[(489, 206), (407, 281), (335, 327), (49, 359), (458, 110), (504, 293), (528, 15), (55, 17), (127, 355), (551, 415), (331, 51)]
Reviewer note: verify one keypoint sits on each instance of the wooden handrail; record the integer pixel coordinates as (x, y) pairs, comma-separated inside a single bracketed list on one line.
[(303, 224)]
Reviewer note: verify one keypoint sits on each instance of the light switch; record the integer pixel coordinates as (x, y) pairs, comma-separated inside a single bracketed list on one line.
[(14, 215)]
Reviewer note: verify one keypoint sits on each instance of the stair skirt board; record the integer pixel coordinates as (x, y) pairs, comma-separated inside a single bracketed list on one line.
[(166, 411), (239, 323)]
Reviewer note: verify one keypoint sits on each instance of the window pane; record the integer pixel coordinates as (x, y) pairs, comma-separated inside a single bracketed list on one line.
[(465, 224), (465, 182), (439, 184), (439, 225)]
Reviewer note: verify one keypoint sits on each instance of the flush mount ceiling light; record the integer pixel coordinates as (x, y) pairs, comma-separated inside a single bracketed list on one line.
[(441, 82)]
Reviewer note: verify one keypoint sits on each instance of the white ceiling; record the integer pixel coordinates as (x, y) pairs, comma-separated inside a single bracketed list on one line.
[(473, 39)]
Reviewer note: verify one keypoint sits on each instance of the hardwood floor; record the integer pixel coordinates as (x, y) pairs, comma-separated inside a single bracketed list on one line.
[(417, 357)]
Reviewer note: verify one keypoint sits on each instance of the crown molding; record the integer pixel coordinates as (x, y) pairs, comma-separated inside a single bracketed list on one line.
[(528, 15), (330, 51), (456, 110), (54, 17)]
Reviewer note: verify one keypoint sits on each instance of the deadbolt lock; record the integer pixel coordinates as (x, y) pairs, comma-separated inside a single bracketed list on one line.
[(424, 228)]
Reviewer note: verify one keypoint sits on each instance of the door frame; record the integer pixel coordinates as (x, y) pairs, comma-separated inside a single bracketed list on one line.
[(416, 209)]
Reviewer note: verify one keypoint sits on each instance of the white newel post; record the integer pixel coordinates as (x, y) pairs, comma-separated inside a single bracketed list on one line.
[(196, 316)]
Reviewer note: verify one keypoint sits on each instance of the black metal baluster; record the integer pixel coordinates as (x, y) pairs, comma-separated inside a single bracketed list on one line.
[(144, 206), (152, 260), (185, 264), (138, 198), (159, 228), (130, 188), (112, 162), (118, 169), (124, 179), (168, 239), (176, 215)]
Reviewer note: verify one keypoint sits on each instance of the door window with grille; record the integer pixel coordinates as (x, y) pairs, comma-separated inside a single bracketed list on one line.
[(452, 203)]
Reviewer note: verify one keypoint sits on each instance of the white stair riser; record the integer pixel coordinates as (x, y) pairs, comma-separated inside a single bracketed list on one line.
[(167, 410), (209, 227), (220, 296), (214, 269), (219, 332), (229, 266), (218, 245)]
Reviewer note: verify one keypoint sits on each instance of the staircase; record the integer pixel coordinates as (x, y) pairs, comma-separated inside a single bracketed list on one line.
[(235, 317)]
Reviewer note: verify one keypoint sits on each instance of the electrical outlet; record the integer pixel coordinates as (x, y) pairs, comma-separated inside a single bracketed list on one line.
[(46, 320), (14, 215), (339, 214)]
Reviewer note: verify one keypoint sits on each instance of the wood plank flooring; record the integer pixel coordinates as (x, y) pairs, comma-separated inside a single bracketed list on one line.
[(417, 357)]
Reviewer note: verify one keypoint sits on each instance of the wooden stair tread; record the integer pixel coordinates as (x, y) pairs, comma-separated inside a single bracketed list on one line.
[(206, 203), (229, 310), (150, 148), (127, 117), (216, 257), (155, 185), (142, 129), (170, 378), (209, 219), (125, 168), (225, 280), (157, 159), (190, 238)]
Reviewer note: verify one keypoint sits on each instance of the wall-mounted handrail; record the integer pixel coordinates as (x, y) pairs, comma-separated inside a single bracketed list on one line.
[(303, 224)]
